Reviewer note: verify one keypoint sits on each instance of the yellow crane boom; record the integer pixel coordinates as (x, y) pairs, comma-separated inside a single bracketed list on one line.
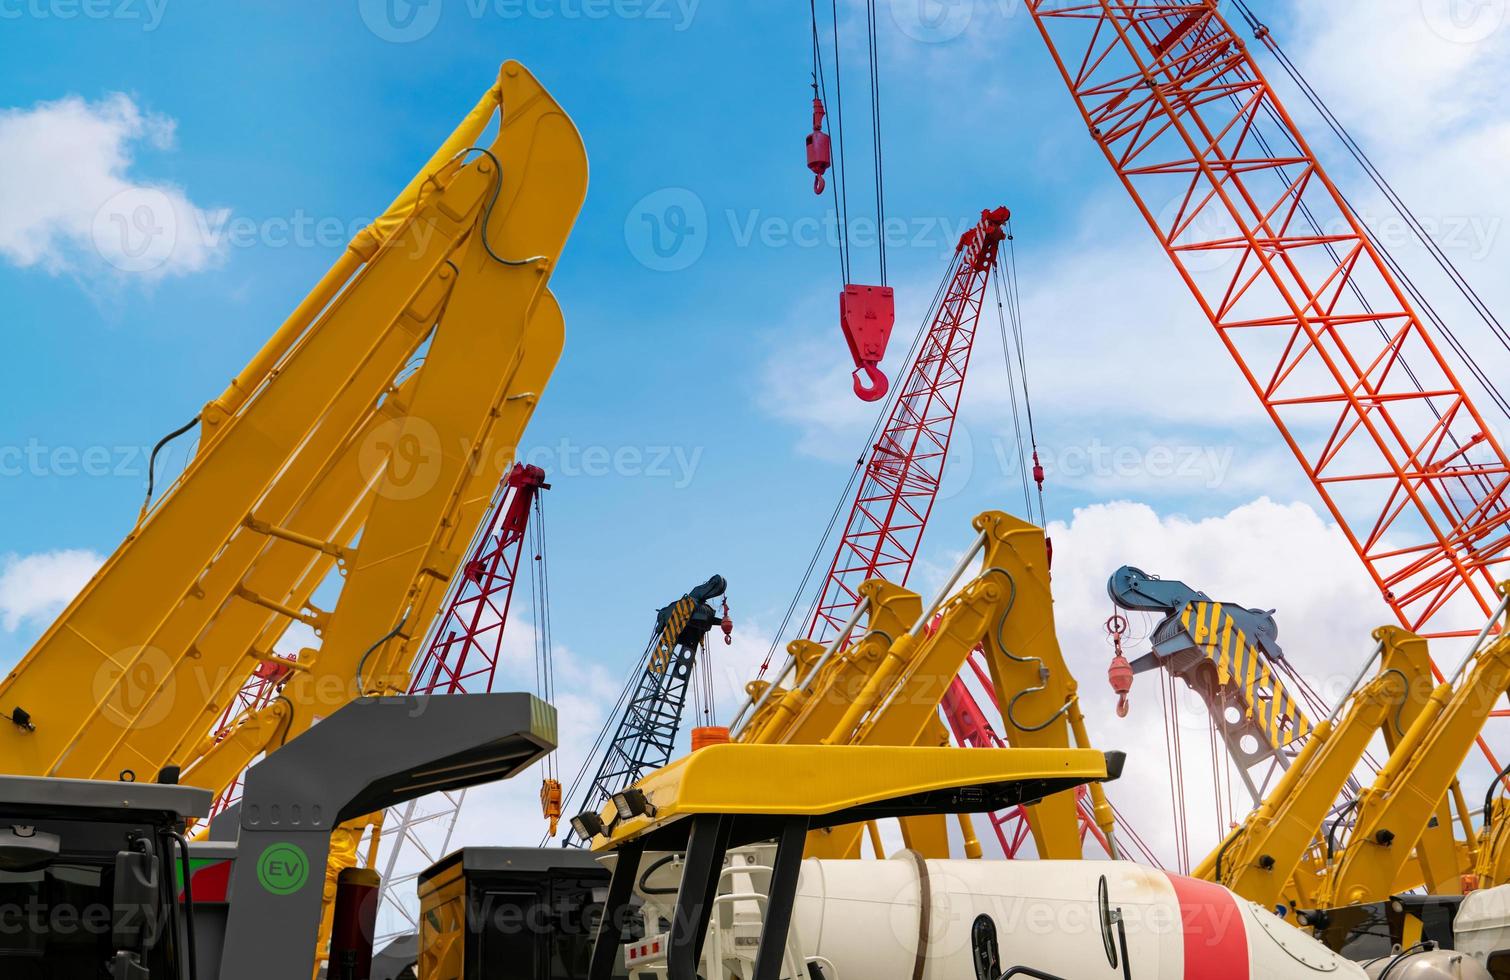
[(353, 456)]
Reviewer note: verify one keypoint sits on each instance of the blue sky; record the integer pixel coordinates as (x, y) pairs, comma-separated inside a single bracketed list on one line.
[(721, 364)]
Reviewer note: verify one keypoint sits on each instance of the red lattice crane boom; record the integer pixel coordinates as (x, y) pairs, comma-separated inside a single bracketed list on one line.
[(1321, 326), (902, 474), (904, 466)]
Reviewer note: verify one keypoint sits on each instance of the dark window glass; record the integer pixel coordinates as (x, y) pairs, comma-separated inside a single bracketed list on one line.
[(986, 952)]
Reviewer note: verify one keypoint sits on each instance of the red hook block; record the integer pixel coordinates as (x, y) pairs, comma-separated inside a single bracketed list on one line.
[(820, 154), (867, 315)]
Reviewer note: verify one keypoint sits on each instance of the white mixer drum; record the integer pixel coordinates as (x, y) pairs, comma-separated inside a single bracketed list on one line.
[(907, 919)]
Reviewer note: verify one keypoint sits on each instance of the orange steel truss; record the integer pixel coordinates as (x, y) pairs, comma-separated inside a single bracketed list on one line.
[(1299, 293)]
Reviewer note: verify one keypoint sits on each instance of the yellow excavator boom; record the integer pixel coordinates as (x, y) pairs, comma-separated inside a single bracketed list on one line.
[(884, 688), (352, 459), (1263, 859), (1411, 788)]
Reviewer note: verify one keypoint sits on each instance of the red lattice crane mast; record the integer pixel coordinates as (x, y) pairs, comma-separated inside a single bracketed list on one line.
[(1319, 318), (901, 478), (467, 641), (905, 464)]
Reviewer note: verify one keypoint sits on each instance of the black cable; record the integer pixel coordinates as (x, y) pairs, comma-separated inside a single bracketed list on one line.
[(1489, 795), (845, 495), (842, 187), (1016, 299), (1391, 263), (875, 121), (1485, 490), (1423, 946), (820, 83), (655, 866), (152, 462), (610, 725), (487, 211), (1010, 711), (1006, 350), (362, 664), (1376, 175), (188, 903), (1331, 831), (1221, 852)]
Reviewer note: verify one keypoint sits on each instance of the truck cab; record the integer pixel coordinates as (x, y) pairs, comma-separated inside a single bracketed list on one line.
[(89, 878)]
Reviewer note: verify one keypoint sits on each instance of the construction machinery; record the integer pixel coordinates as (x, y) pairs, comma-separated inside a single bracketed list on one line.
[(1228, 655), (640, 734), (1283, 846), (1288, 846), (463, 655), (1343, 352), (107, 881), (1347, 356), (688, 844), (359, 448), (896, 482), (349, 465), (1406, 797), (883, 683)]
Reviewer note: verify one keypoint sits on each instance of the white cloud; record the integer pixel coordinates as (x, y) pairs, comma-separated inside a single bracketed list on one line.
[(34, 588), (1420, 69), (72, 204)]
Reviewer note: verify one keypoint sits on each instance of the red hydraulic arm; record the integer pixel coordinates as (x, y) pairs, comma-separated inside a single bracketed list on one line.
[(467, 641)]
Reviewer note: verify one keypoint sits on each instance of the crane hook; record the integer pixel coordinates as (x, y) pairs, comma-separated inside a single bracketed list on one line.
[(1119, 673), (820, 155), (878, 385)]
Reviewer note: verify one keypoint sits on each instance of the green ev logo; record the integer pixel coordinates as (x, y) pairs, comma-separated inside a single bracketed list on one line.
[(283, 869)]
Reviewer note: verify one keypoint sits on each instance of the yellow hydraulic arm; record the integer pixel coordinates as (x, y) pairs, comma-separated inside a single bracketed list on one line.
[(885, 687), (1493, 861), (1267, 856), (350, 461), (1394, 812)]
